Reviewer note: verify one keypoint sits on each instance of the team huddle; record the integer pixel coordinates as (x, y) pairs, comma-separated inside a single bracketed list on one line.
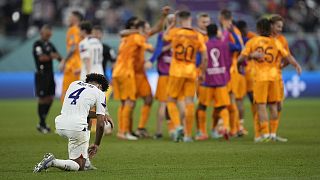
[(217, 64)]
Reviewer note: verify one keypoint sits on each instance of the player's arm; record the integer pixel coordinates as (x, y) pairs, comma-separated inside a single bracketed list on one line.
[(55, 54), (38, 51), (159, 25), (158, 50), (100, 112), (290, 59), (237, 45), (127, 32)]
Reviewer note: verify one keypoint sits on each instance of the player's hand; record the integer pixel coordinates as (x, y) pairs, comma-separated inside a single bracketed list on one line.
[(298, 69), (201, 77), (54, 55), (147, 65), (109, 120), (257, 55), (165, 10), (92, 150)]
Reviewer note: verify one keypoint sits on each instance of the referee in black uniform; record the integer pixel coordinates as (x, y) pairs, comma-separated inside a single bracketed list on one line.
[(44, 52)]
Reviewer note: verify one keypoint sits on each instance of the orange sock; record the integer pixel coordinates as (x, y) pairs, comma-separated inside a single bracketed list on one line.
[(201, 114), (264, 126), (145, 111), (234, 115), (126, 116), (120, 123), (170, 126), (274, 124), (189, 119), (256, 123), (215, 117), (174, 114), (224, 114)]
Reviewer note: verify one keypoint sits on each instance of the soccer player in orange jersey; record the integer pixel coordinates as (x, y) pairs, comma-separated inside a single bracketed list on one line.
[(124, 80), (276, 29), (225, 18), (203, 20), (266, 83), (185, 43), (72, 65), (249, 76), (142, 84)]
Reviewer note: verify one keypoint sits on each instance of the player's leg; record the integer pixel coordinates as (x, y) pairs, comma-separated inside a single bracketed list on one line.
[(260, 94), (146, 108), (276, 96), (77, 147), (189, 91), (45, 90), (127, 89), (161, 96), (201, 113), (174, 89)]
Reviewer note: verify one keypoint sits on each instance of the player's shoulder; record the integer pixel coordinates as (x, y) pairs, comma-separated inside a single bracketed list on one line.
[(38, 42)]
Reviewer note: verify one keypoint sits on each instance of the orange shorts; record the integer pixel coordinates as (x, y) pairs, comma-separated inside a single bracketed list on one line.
[(232, 85), (179, 86), (241, 90), (124, 88), (219, 96), (266, 91), (161, 93), (249, 83), (142, 85)]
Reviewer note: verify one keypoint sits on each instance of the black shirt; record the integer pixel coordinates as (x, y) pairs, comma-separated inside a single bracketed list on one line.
[(41, 47), (108, 55)]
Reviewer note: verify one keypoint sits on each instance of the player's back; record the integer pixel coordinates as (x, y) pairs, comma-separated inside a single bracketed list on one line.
[(73, 39), (127, 49), (80, 98), (185, 44), (91, 48), (268, 67), (139, 56)]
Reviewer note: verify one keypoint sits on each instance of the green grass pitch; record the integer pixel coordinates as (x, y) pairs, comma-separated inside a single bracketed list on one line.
[(22, 147)]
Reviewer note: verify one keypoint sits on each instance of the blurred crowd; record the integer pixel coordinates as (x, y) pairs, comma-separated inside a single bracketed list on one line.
[(21, 16)]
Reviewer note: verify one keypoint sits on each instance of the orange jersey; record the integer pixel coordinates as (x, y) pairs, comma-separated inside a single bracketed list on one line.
[(139, 57), (185, 44), (128, 49), (266, 69), (73, 39), (235, 55)]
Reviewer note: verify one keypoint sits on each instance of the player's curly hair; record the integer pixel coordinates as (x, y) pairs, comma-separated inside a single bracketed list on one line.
[(264, 27), (98, 78)]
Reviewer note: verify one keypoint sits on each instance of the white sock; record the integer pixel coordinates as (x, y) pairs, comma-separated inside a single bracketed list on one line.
[(67, 165)]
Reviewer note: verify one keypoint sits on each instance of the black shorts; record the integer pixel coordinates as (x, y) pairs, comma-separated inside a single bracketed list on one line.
[(45, 85)]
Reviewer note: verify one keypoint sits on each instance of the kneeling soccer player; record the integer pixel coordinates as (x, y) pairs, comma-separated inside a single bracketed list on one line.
[(72, 123)]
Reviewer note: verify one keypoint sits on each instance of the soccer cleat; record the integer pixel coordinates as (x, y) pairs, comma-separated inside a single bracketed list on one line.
[(142, 133), (215, 134), (201, 137), (178, 134), (43, 129), (158, 136), (187, 139), (121, 135), (225, 134), (257, 139), (45, 163), (130, 137), (279, 139)]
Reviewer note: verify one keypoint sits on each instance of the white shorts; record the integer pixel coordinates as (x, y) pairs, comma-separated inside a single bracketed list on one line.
[(78, 142)]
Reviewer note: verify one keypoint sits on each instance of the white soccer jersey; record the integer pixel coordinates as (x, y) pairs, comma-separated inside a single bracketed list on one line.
[(79, 99), (92, 50)]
